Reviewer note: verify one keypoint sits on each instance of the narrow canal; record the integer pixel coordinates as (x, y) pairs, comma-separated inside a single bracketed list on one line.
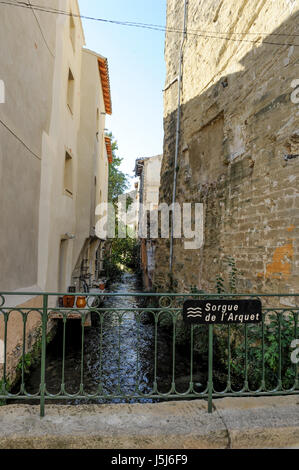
[(116, 356)]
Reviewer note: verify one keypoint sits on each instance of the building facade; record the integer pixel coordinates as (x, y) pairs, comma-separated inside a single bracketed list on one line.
[(238, 143), (25, 121), (54, 158), (132, 215), (148, 170), (94, 155)]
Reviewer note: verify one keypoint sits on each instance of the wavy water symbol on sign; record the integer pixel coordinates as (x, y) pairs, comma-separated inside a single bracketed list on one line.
[(194, 312)]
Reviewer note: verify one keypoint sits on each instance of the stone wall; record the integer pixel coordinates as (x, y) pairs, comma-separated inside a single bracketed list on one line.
[(238, 123), (27, 58)]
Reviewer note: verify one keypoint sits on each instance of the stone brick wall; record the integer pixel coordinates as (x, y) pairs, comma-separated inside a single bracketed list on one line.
[(237, 124)]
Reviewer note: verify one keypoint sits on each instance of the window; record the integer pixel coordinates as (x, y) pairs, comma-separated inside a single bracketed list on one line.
[(70, 90), (68, 175), (72, 31)]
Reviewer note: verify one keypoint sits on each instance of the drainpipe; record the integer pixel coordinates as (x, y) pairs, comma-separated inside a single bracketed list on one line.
[(178, 127)]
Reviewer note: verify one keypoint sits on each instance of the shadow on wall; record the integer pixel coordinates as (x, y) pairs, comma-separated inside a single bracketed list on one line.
[(235, 139)]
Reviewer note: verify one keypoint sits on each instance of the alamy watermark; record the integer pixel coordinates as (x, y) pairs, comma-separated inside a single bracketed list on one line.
[(2, 92), (295, 353), (295, 93), (180, 221)]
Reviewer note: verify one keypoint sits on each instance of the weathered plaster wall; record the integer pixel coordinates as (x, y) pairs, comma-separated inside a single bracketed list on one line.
[(151, 181), (27, 54), (57, 212), (149, 196), (15, 333), (238, 123), (92, 184), (35, 212)]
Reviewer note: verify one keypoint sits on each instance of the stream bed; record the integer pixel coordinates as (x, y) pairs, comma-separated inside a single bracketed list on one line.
[(120, 367)]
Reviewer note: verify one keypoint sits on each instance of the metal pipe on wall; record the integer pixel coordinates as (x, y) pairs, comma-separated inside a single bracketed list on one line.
[(178, 126)]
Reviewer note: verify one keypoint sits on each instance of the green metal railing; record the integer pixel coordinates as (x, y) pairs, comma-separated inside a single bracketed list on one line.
[(233, 360)]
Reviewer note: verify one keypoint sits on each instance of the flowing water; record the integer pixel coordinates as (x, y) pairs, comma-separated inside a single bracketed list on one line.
[(121, 365)]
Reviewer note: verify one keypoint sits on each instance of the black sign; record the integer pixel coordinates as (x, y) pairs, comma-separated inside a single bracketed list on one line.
[(222, 311)]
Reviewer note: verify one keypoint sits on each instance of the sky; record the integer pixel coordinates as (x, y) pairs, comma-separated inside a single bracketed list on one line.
[(137, 72)]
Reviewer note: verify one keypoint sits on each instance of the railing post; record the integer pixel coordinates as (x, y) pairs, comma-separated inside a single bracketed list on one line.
[(210, 372), (43, 355)]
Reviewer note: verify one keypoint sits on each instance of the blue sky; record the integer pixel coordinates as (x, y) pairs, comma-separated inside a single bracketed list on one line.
[(137, 72)]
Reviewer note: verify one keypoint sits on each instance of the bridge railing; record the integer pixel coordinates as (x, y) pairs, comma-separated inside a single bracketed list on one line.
[(145, 352)]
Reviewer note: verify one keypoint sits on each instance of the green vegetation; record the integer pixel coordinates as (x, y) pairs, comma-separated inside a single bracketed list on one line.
[(2, 389), (231, 273), (27, 361), (33, 357), (118, 181), (279, 331), (122, 254)]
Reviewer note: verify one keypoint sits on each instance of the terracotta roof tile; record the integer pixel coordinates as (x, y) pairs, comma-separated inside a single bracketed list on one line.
[(109, 149), (104, 74)]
